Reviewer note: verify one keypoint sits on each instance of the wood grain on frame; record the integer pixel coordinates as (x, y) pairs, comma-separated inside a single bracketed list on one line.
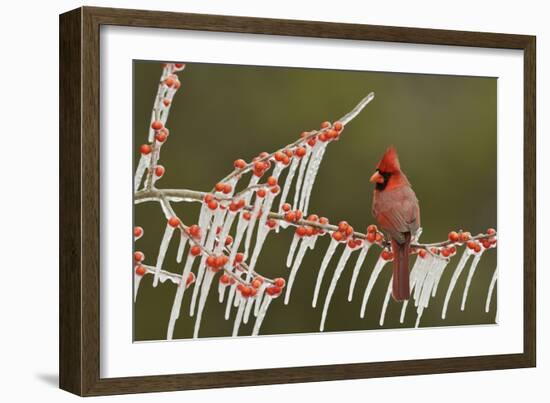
[(80, 192)]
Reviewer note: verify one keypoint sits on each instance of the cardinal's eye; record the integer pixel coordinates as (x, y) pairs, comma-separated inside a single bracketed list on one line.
[(386, 176)]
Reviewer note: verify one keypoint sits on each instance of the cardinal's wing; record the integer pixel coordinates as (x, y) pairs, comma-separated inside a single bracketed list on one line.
[(397, 212)]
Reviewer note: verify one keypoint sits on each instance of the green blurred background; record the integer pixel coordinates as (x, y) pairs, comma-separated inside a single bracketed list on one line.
[(445, 131)]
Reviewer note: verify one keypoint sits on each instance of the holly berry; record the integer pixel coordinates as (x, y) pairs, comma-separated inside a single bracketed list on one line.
[(145, 149), (174, 222), (169, 82), (227, 188), (453, 236), (239, 257), (325, 125), (139, 256), (212, 204), (422, 253), (286, 207), (371, 237), (138, 232), (157, 125), (195, 250), (239, 164), (279, 282), (272, 181), (261, 192), (275, 189), (224, 279), (337, 236), (300, 152), (386, 255), (301, 231), (140, 270), (338, 126), (219, 187), (159, 171), (161, 136)]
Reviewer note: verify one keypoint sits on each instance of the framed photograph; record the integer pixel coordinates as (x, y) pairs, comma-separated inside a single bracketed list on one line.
[(251, 201)]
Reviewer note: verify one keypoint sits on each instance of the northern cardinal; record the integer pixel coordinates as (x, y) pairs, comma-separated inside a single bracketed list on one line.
[(396, 209)]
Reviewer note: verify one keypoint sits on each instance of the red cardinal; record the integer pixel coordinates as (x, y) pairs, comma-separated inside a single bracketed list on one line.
[(396, 209)]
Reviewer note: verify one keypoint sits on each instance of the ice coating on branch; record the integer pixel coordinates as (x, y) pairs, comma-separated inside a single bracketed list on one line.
[(386, 301), (261, 315), (296, 266), (221, 291), (261, 294), (357, 268), (418, 266), (435, 266), (292, 250), (471, 273), (303, 164), (314, 164), (288, 181), (202, 300), (181, 246), (162, 252), (326, 260), (140, 170), (463, 259), (229, 303), (490, 291), (380, 263), (178, 299), (339, 268), (239, 317)]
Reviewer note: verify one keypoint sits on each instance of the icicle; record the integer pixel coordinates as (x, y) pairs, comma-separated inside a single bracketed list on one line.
[(288, 181), (261, 315), (357, 268), (181, 247), (421, 275), (259, 297), (326, 260), (418, 266), (418, 317), (314, 170), (140, 170), (337, 272), (296, 267), (252, 223), (307, 175), (229, 303), (247, 309), (221, 291), (463, 259), (490, 291), (471, 272), (372, 279), (176, 305), (202, 300), (293, 245), (386, 301), (137, 281), (303, 164), (241, 228), (162, 251), (238, 318)]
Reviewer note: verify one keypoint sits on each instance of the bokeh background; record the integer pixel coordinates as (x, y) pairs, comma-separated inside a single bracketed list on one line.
[(445, 131)]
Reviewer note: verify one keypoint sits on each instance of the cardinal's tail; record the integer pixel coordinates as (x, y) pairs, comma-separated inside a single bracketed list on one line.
[(400, 286)]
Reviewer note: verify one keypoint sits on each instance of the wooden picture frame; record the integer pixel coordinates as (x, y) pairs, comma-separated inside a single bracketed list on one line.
[(79, 346)]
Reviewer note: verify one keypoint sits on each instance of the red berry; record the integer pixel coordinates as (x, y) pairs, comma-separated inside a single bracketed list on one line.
[(169, 82), (261, 192), (179, 65), (219, 187), (256, 283), (301, 231), (195, 250), (271, 181), (290, 216), (298, 214), (372, 228), (211, 261), (228, 240), (491, 231), (273, 290), (138, 231), (239, 164), (453, 236), (140, 271), (227, 188), (309, 231), (477, 247), (325, 125), (174, 222), (386, 255), (343, 226), (159, 171), (275, 189), (194, 230), (212, 204), (239, 257), (161, 137), (271, 223), (337, 236), (286, 207), (145, 149), (286, 160), (371, 237), (157, 125), (313, 217), (323, 220), (311, 142), (422, 253), (190, 279), (300, 152), (139, 256), (323, 137), (338, 126), (247, 216), (332, 134), (445, 252), (471, 244), (279, 282), (224, 279), (379, 237), (465, 236), (279, 156)]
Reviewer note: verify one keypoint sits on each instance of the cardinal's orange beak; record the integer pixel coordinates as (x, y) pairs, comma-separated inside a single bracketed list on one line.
[(376, 178)]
